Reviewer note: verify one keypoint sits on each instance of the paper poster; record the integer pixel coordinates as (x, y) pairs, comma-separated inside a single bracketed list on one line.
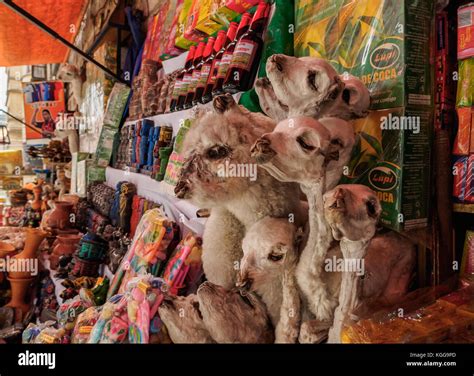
[(44, 102)]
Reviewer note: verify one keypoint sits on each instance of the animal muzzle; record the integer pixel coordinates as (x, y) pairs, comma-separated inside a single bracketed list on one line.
[(244, 283), (276, 63), (262, 151)]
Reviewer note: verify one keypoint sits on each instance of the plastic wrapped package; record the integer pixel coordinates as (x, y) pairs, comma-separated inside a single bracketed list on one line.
[(184, 268), (180, 40), (440, 321), (144, 295), (463, 182), (464, 142), (465, 94), (84, 324), (52, 335), (69, 311), (152, 237), (176, 159), (33, 330)]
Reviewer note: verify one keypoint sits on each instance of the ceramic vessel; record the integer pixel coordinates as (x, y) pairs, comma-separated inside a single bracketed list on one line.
[(65, 245), (33, 239), (20, 293), (60, 216), (37, 202), (6, 249)]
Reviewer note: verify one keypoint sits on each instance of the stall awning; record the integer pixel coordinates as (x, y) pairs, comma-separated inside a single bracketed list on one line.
[(23, 43)]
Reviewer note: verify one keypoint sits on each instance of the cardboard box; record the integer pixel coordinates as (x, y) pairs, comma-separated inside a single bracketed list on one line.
[(385, 43)]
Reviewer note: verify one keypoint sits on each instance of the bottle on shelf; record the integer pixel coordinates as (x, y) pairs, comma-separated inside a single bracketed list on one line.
[(196, 70), (227, 54), (245, 61), (222, 41), (186, 77), (203, 75)]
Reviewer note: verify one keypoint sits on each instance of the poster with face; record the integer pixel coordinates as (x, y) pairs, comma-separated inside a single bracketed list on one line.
[(44, 102)]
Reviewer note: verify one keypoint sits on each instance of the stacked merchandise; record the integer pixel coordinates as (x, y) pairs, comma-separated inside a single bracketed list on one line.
[(156, 263), (449, 319), (144, 148), (463, 148), (223, 56), (387, 45)]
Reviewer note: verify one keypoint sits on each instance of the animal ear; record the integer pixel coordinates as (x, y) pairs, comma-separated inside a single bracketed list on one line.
[(223, 103)]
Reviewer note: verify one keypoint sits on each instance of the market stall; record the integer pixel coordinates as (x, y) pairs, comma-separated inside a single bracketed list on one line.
[(288, 162)]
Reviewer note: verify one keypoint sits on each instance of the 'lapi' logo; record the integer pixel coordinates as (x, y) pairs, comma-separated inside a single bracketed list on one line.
[(383, 178), (385, 56)]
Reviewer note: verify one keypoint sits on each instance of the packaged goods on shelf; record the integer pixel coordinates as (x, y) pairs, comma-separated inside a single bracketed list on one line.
[(363, 38), (116, 105), (438, 322), (176, 160), (395, 163), (184, 268), (464, 142), (149, 249), (465, 93), (466, 31), (463, 183), (384, 43), (181, 41), (105, 146), (159, 29)]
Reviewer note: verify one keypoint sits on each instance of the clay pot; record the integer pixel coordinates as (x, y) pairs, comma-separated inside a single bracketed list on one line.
[(33, 239), (69, 197), (6, 249), (59, 218), (20, 297), (66, 245), (37, 202)]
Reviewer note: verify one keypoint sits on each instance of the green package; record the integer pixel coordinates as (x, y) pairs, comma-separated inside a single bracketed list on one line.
[(105, 145), (465, 94), (385, 43), (116, 105)]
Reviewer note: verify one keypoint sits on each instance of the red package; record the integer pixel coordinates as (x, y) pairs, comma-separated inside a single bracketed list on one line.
[(241, 6), (463, 142), (470, 180), (466, 31), (459, 183)]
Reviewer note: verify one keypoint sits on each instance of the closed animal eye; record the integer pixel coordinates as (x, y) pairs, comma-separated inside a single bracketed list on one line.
[(218, 152), (300, 140), (275, 257)]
